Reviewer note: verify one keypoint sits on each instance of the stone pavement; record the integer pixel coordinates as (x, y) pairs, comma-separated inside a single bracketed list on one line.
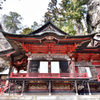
[(52, 97)]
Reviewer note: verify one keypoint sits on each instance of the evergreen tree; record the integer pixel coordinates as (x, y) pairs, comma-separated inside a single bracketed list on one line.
[(52, 11), (35, 26), (12, 22), (26, 31), (1, 2), (69, 15)]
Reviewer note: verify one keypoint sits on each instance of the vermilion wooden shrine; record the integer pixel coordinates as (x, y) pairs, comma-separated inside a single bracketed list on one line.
[(49, 60)]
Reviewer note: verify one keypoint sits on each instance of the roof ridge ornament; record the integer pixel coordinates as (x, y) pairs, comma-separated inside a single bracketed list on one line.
[(48, 19)]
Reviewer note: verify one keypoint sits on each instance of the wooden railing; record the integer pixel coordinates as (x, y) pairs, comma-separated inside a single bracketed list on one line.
[(2, 90), (48, 75), (98, 73), (15, 75), (78, 75)]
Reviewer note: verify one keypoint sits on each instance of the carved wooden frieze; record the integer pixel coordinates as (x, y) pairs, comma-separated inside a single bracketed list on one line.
[(37, 81), (37, 86), (49, 57), (47, 47), (83, 63), (61, 86), (3, 77), (49, 39)]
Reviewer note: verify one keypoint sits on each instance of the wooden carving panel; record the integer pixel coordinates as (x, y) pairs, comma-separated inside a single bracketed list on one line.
[(84, 56), (61, 86), (49, 47), (95, 56), (3, 77), (37, 86)]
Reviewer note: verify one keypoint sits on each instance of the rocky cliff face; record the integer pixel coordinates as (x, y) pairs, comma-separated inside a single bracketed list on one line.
[(4, 45), (93, 17)]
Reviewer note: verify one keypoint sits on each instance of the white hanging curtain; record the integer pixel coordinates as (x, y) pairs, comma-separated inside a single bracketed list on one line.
[(43, 67), (55, 67)]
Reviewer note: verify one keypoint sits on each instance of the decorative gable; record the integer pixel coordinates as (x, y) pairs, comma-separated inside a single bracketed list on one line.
[(48, 27)]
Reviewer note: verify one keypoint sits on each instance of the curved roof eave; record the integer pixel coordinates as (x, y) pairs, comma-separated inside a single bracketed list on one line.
[(32, 36)]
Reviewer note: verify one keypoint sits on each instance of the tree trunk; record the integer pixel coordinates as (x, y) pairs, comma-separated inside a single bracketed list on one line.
[(84, 26), (77, 28)]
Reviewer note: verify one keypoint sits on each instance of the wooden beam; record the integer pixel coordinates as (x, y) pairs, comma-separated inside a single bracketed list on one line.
[(76, 87), (88, 88), (96, 63), (23, 87), (49, 87), (9, 88), (28, 67), (73, 68)]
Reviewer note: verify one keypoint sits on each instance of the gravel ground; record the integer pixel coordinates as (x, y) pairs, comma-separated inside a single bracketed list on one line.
[(47, 97)]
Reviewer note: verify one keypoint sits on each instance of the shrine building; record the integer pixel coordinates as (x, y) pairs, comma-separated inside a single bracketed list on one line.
[(49, 60)]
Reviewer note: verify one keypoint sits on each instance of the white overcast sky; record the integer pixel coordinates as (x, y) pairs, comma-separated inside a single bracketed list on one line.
[(30, 10)]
